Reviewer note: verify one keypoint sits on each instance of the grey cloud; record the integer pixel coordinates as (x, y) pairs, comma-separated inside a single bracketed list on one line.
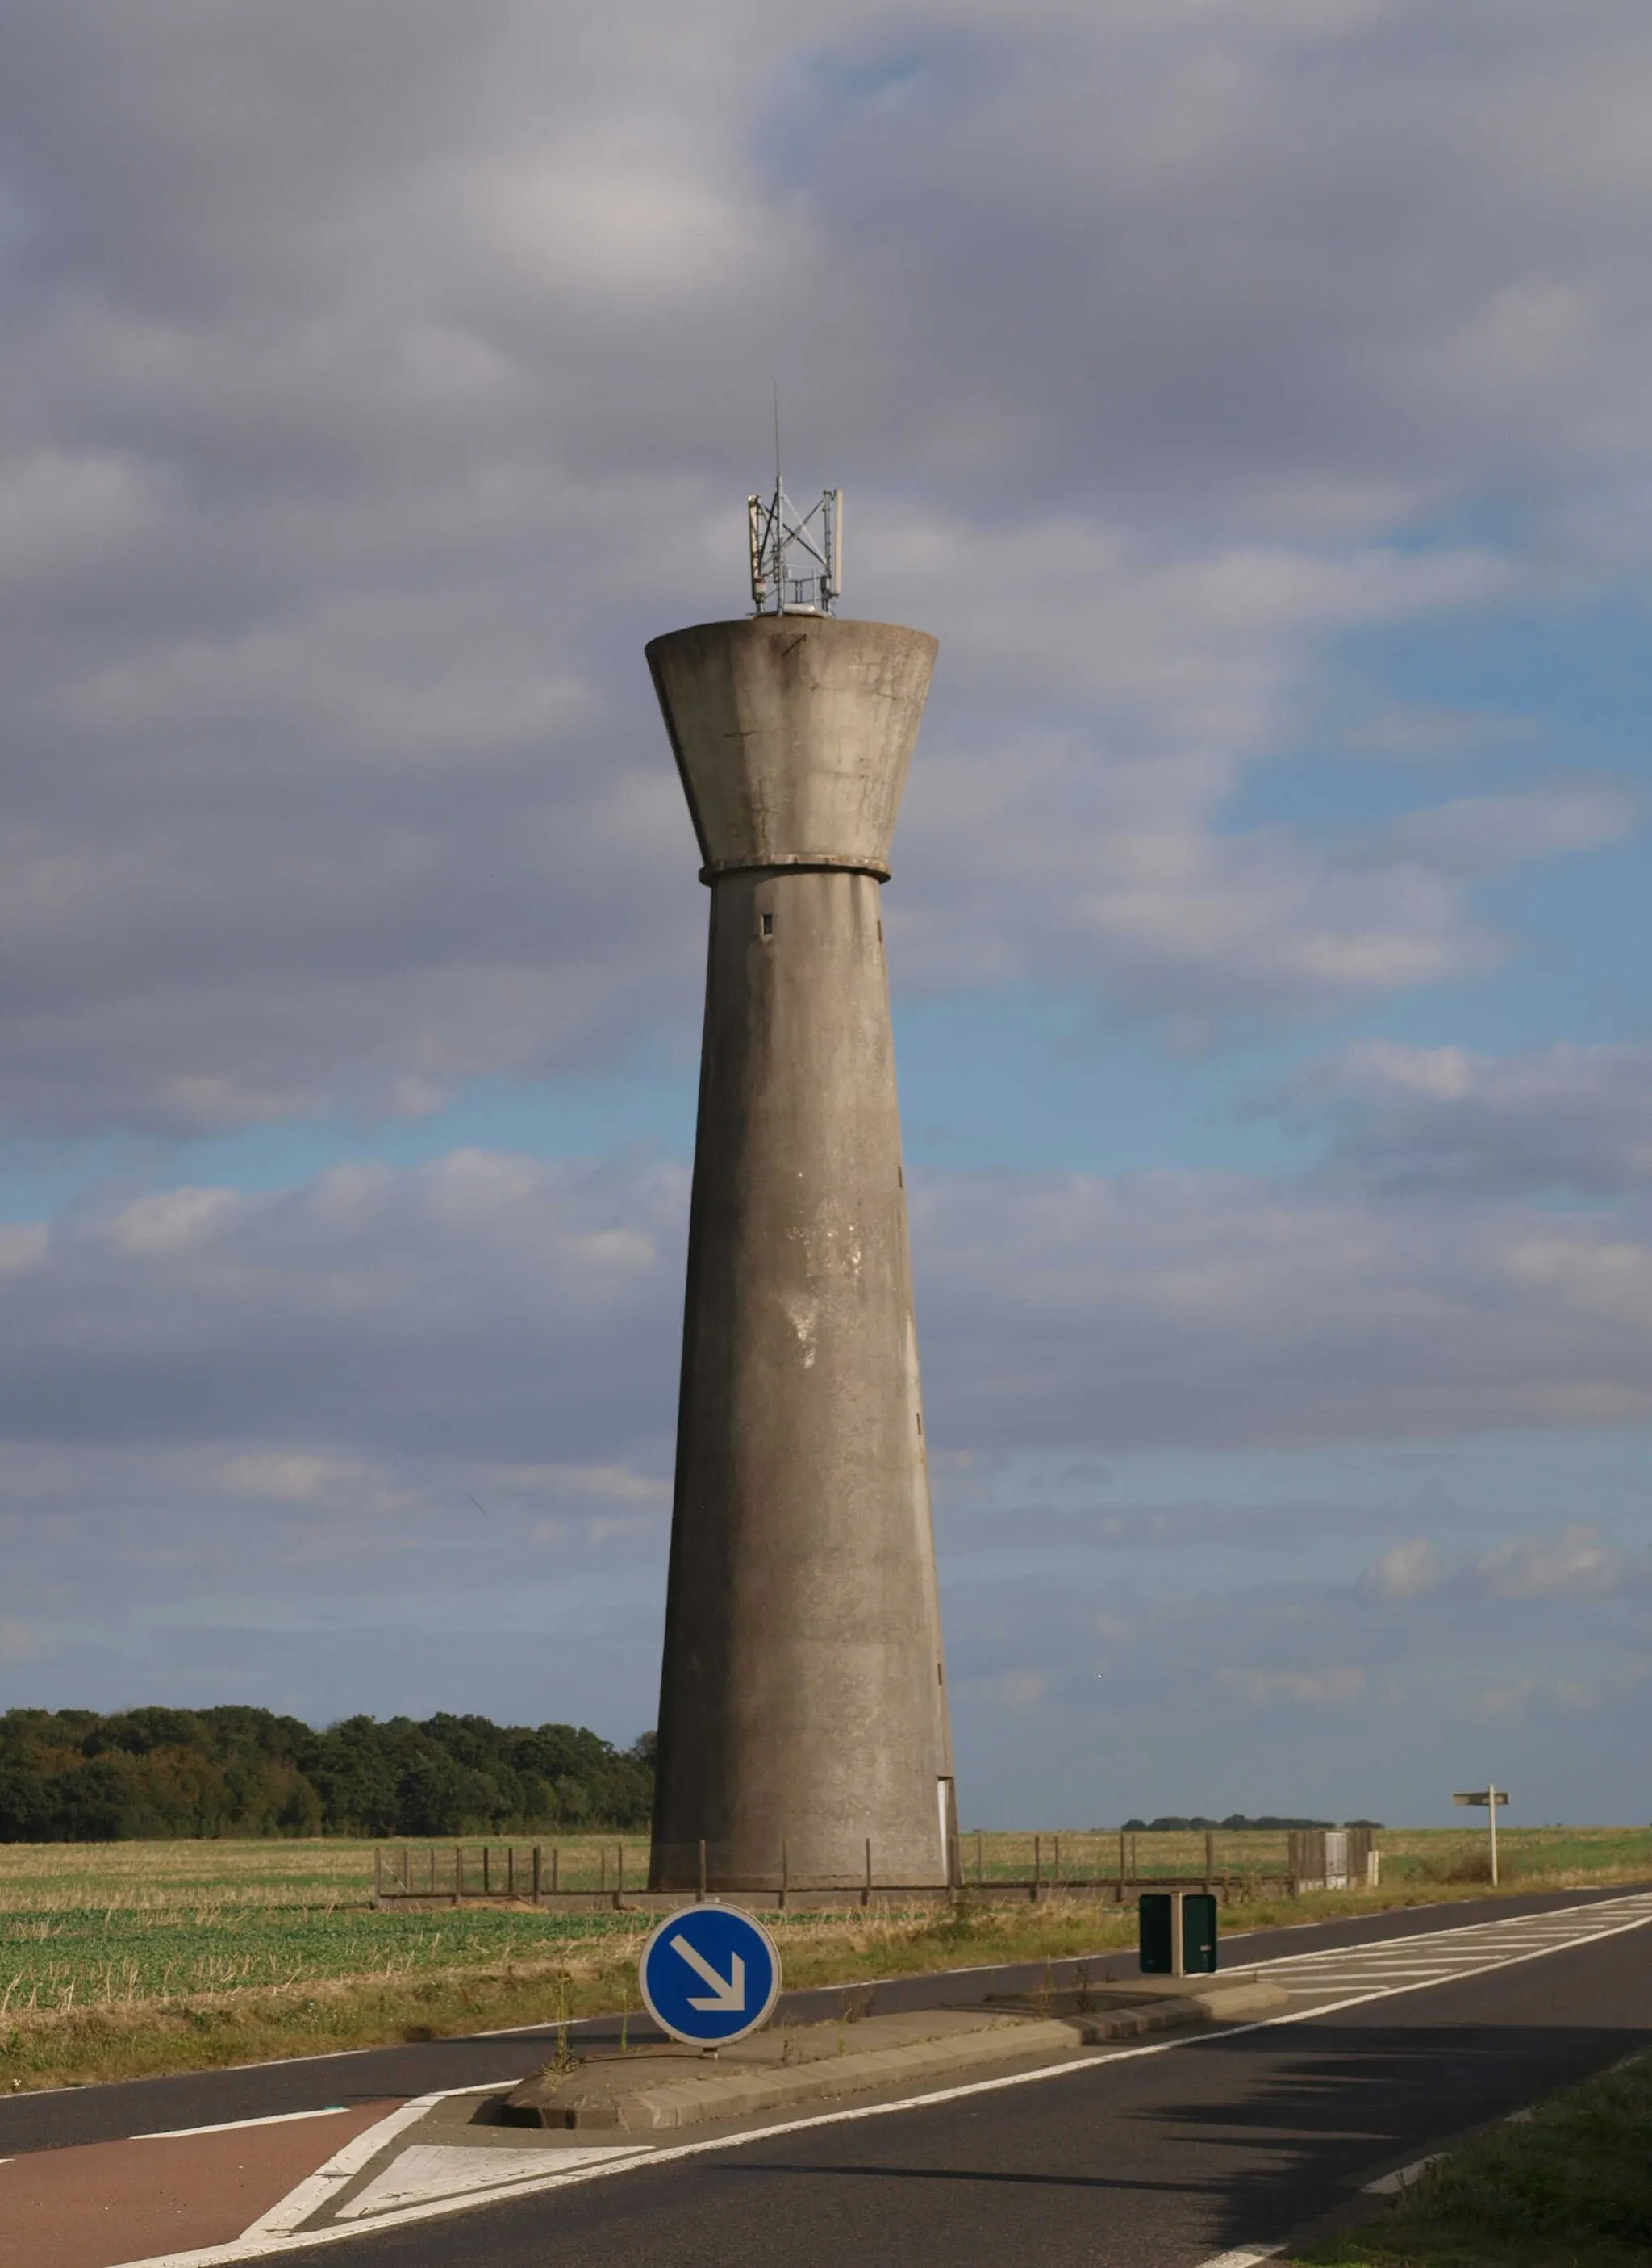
[(1195, 1701), (399, 1404), (1446, 1120), (497, 1314), (1340, 1684), (486, 1306), (1425, 733), (1577, 1561), (410, 1402), (377, 383), (603, 1674), (1254, 1528), (1405, 1571), (1203, 1310), (1033, 844), (1486, 833), (1238, 215)]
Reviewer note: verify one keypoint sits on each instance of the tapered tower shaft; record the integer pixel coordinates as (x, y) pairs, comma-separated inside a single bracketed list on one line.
[(803, 1706)]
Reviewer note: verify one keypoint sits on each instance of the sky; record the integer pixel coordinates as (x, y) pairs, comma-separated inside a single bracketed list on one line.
[(1251, 397)]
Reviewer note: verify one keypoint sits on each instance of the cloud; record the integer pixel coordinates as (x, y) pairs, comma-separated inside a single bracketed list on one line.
[(1576, 1562), (1407, 1571), (371, 400), (485, 1307), (1424, 733), (1209, 1310), (1233, 203), (361, 1359), (1306, 1688), (1033, 845), (1222, 1701), (1262, 1530), (1486, 833), (1515, 1700), (272, 1445), (1417, 1119)]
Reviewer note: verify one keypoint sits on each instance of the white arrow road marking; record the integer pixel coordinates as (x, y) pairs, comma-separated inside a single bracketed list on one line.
[(728, 1992)]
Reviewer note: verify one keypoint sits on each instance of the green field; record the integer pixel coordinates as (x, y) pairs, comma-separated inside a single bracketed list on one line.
[(87, 1958), (120, 1957), (101, 1925)]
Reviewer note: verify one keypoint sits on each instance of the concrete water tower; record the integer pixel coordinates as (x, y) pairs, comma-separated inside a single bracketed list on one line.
[(804, 1734)]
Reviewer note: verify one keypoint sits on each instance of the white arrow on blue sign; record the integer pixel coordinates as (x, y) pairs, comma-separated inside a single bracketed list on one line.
[(709, 1975)]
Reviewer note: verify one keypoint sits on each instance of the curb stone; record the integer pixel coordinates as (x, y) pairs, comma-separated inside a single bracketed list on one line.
[(634, 2096)]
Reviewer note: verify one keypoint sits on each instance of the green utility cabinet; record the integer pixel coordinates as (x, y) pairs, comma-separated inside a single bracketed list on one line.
[(1178, 1933)]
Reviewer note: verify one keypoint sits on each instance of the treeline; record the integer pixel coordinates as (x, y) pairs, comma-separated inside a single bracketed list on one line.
[(1176, 1825), (74, 1776)]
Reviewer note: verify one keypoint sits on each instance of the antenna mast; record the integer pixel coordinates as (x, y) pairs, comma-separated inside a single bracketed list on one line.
[(797, 563)]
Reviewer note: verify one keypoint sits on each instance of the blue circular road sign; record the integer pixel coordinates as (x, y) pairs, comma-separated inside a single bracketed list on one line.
[(709, 1975)]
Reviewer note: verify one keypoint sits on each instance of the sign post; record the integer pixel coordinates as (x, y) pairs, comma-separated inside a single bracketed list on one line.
[(710, 1974), (1491, 1797)]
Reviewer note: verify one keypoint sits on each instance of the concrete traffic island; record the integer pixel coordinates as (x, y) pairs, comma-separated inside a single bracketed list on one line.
[(667, 2088)]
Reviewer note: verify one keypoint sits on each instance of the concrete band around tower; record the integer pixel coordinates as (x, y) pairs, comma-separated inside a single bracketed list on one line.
[(804, 1732)]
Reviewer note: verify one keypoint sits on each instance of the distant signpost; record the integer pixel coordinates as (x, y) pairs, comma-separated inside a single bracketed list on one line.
[(710, 1974), (1491, 1797)]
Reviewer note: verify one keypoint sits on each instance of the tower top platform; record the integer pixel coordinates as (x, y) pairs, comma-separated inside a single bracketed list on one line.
[(793, 734)]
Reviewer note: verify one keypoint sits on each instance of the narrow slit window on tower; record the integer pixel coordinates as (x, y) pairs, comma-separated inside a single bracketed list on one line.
[(880, 933), (919, 1417), (768, 924)]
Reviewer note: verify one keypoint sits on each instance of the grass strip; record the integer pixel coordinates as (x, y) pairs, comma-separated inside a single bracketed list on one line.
[(1571, 2187)]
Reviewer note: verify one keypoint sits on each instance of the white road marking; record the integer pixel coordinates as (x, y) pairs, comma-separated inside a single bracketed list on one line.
[(234, 2126), (264, 2241), (1404, 1965), (325, 2183), (448, 2170), (1245, 2256)]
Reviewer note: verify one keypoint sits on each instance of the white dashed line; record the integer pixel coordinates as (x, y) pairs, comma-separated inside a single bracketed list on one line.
[(234, 2126)]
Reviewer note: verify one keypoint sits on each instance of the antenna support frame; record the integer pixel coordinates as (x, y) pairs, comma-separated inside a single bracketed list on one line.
[(777, 535)]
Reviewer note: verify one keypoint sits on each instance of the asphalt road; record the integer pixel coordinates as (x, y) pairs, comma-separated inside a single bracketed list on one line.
[(1157, 2161), (101, 2114)]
